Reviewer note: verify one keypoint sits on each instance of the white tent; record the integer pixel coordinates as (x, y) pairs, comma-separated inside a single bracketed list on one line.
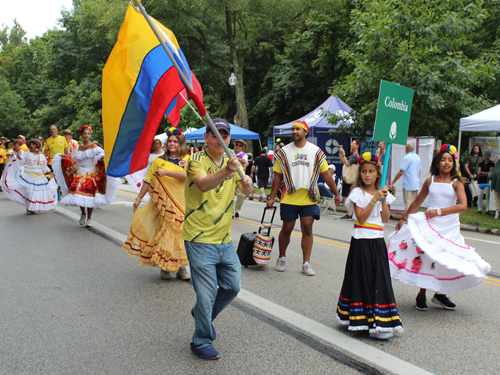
[(485, 121)]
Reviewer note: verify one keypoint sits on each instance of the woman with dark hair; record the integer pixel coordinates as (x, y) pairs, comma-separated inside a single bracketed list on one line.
[(471, 166), (83, 178), (136, 180), (427, 250), (25, 180), (155, 232)]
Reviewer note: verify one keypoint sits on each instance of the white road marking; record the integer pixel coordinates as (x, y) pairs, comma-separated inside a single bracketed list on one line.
[(359, 349)]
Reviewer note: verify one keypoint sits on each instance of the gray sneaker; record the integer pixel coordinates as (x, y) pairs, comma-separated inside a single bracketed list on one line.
[(307, 270), (183, 274), (280, 264), (165, 275)]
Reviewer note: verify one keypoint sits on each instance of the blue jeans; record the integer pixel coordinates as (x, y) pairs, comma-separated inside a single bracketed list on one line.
[(216, 275), (324, 191)]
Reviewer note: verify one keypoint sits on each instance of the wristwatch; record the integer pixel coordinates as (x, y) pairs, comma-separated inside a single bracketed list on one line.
[(438, 211)]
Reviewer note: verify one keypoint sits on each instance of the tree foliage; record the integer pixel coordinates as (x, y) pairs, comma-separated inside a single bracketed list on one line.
[(288, 55)]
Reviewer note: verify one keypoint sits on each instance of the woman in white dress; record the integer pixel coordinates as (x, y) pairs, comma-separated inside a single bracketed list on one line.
[(25, 179), (136, 180), (83, 178), (427, 250)]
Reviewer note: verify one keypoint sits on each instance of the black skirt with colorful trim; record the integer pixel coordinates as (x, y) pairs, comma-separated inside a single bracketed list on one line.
[(366, 299)]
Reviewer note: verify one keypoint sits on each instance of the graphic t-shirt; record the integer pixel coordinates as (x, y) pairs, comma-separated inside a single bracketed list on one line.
[(209, 214), (55, 146), (302, 196)]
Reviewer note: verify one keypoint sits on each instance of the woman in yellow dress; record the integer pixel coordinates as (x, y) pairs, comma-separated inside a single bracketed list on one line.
[(155, 232)]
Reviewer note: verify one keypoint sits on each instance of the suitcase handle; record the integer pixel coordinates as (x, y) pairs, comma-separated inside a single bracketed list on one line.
[(267, 225)]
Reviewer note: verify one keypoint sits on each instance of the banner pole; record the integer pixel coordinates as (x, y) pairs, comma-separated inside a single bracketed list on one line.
[(186, 82), (386, 165)]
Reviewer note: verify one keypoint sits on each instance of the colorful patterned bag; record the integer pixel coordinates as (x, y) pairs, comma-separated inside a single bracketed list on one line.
[(262, 249)]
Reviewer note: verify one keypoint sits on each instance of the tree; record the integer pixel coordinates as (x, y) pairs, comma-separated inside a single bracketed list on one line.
[(14, 116), (420, 45)]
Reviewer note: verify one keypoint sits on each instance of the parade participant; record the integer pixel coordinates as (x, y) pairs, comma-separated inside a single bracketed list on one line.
[(156, 229), (299, 165), (427, 250), (8, 146), (3, 158), (14, 148), (25, 181), (347, 161), (136, 180), (263, 165), (83, 178), (239, 199), (366, 300), (55, 145), (73, 145), (24, 147), (215, 267), (485, 168)]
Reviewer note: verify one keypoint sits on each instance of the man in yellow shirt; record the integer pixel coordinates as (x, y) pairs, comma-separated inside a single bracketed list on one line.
[(55, 144), (24, 147), (3, 158), (211, 180), (299, 165)]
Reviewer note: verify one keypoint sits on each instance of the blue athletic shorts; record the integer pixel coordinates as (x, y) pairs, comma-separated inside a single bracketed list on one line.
[(290, 212)]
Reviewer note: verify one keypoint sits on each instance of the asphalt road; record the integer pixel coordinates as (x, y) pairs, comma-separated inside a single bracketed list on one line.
[(73, 303)]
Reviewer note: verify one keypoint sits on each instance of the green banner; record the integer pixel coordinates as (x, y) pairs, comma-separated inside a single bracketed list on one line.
[(393, 113)]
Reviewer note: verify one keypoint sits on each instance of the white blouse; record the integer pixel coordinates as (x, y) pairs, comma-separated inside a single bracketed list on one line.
[(373, 226)]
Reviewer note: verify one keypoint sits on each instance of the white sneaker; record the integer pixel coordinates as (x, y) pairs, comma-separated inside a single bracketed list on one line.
[(88, 222), (82, 219), (165, 275), (281, 264), (307, 270), (183, 274), (381, 335)]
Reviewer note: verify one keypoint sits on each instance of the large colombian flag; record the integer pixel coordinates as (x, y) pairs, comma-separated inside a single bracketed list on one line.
[(139, 86)]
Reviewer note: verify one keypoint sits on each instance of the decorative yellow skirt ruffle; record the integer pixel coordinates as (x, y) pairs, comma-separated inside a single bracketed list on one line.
[(155, 232)]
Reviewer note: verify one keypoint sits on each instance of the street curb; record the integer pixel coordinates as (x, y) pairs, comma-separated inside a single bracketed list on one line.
[(470, 228)]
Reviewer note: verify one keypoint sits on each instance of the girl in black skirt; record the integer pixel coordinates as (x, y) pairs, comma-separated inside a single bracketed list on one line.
[(366, 299)]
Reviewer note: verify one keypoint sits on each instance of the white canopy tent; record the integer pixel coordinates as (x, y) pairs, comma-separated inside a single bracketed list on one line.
[(485, 121)]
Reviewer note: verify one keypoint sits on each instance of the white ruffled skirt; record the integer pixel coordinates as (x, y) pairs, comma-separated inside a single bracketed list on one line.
[(432, 254), (32, 190), (85, 186)]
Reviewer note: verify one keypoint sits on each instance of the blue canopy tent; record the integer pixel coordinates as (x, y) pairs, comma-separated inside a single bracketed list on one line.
[(319, 129), (237, 132)]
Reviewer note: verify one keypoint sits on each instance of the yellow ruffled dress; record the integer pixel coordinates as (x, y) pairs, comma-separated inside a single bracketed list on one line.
[(156, 229)]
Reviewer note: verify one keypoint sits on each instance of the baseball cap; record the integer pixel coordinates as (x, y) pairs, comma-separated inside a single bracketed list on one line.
[(220, 124), (332, 166)]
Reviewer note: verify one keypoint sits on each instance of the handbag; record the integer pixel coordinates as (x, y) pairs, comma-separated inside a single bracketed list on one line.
[(262, 247), (474, 188), (350, 173)]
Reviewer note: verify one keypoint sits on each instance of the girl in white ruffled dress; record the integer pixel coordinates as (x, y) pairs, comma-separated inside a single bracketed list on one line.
[(25, 180), (83, 178), (427, 250), (136, 180)]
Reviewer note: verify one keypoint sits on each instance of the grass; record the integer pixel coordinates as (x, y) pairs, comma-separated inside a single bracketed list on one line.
[(471, 217)]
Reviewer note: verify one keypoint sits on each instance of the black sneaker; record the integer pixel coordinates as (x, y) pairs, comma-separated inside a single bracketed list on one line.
[(236, 215), (421, 303), (443, 301), (346, 217)]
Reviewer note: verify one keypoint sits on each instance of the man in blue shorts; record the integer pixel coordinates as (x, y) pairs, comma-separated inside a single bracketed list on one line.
[(299, 165)]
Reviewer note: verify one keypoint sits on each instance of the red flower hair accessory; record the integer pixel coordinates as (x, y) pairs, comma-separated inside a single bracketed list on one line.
[(174, 131), (450, 149), (82, 128), (367, 156)]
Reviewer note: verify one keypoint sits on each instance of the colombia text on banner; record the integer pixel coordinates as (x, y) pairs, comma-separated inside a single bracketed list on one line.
[(140, 85)]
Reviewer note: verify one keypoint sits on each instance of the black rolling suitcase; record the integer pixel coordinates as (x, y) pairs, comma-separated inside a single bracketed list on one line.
[(247, 240)]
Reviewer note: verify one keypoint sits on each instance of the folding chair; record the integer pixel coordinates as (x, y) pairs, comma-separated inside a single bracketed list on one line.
[(327, 202)]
